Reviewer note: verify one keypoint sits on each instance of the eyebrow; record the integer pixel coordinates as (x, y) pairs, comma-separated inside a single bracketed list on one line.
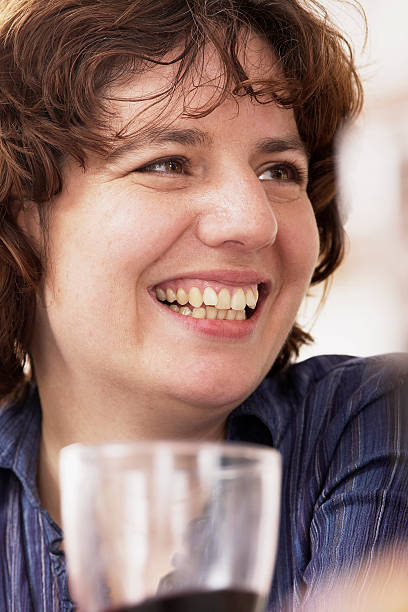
[(190, 137), (194, 137), (280, 145)]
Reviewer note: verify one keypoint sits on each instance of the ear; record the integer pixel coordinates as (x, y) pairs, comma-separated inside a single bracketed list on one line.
[(27, 217)]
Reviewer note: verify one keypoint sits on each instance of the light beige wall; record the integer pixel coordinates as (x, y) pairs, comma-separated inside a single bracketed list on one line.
[(365, 311)]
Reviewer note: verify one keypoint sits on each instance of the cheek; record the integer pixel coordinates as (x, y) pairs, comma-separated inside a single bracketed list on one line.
[(114, 236), (137, 236), (299, 240)]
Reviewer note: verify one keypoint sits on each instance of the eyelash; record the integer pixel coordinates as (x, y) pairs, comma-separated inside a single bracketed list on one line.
[(164, 160), (299, 173)]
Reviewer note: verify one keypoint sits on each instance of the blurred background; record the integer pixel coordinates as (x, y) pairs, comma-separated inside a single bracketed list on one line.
[(364, 311)]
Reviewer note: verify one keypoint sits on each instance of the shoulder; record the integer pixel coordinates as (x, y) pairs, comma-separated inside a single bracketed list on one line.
[(328, 389), (344, 374)]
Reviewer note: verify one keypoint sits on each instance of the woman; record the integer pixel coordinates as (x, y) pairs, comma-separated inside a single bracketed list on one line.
[(167, 198)]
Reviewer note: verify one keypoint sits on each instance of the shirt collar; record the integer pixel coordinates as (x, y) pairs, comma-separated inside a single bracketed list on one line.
[(264, 416), (20, 427)]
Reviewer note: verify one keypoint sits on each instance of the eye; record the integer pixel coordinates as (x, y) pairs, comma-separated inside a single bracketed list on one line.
[(170, 165), (281, 173)]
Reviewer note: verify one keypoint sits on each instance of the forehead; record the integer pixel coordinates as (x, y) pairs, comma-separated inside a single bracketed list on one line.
[(157, 92)]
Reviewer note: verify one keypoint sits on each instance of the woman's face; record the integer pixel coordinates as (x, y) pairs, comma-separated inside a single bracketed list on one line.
[(216, 203)]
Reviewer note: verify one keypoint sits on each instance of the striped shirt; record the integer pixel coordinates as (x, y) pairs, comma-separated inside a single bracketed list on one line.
[(341, 425)]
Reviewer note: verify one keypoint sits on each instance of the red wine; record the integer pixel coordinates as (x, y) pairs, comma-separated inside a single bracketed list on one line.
[(227, 600)]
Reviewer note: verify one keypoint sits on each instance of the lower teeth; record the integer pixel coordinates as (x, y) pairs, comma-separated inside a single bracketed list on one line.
[(209, 312)]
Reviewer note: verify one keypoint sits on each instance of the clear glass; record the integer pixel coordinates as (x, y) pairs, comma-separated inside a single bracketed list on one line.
[(170, 526)]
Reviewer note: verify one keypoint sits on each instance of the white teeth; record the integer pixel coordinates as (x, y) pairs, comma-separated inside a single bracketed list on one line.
[(250, 299), (160, 294), (194, 297), (170, 295), (224, 300), (185, 310), (230, 315), (174, 308), (211, 312), (182, 296), (199, 313), (210, 297), (221, 314), (238, 301)]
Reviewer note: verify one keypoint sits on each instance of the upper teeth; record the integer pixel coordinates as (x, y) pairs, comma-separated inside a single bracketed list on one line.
[(223, 300)]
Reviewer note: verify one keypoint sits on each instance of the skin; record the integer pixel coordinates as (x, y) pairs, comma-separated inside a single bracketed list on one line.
[(109, 363), (377, 586)]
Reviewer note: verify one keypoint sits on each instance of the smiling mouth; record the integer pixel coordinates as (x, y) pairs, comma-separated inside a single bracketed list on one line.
[(203, 300)]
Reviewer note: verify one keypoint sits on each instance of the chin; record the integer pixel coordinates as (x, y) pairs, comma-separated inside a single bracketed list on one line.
[(218, 391), (216, 381)]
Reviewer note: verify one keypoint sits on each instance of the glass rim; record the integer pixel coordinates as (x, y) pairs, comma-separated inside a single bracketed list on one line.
[(262, 454)]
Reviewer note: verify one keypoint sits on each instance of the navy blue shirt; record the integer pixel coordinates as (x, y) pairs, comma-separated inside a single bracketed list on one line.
[(341, 425)]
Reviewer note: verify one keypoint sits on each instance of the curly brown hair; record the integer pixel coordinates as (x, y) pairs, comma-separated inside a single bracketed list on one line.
[(60, 58)]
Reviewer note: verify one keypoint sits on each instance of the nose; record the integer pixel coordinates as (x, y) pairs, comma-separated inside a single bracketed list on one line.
[(237, 214)]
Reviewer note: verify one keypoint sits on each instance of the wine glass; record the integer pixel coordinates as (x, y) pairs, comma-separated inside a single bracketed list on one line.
[(170, 526)]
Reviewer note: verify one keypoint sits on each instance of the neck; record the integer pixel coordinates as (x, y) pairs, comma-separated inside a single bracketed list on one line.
[(92, 415)]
